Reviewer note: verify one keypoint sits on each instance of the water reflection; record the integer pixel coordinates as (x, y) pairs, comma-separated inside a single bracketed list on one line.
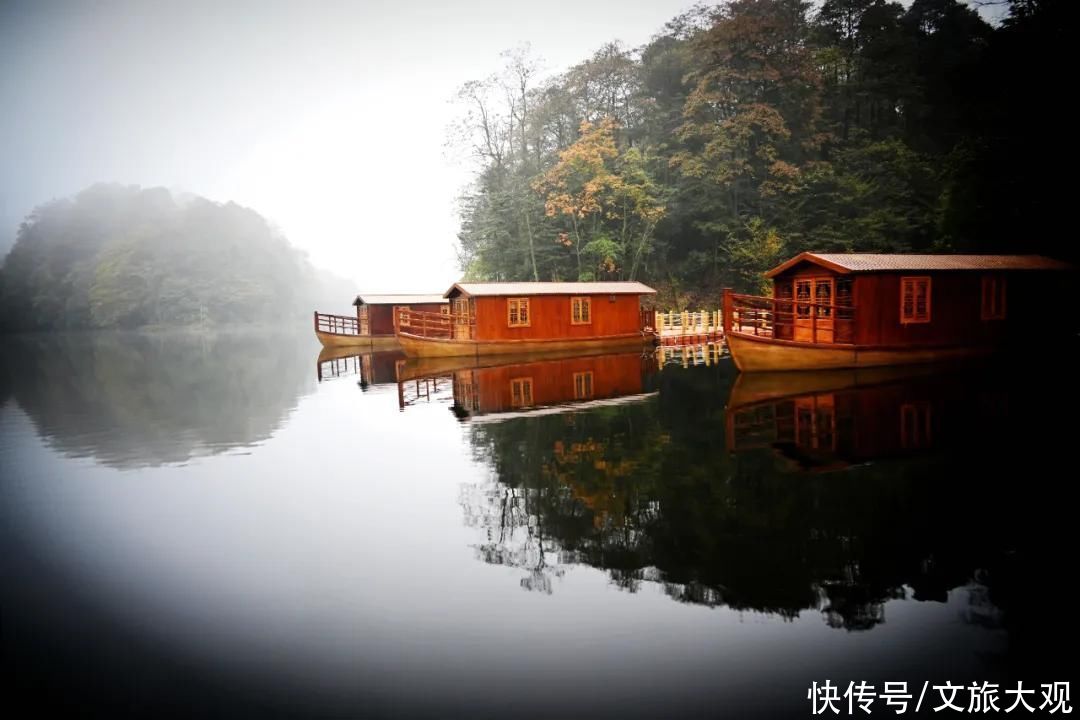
[(327, 570), (137, 399), (692, 490), (828, 420), (492, 388), (373, 368)]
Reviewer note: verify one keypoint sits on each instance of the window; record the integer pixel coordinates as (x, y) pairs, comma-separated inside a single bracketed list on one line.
[(461, 307), (582, 385), (445, 309), (823, 297), (580, 311), (993, 297), (844, 299), (403, 315), (517, 312), (802, 294), (521, 392), (915, 425), (914, 300)]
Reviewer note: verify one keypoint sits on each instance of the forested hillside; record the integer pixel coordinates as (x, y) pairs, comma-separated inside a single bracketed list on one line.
[(124, 257), (744, 133)]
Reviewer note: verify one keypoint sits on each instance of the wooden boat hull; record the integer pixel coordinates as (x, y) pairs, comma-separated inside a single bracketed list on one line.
[(416, 346), (759, 354), (370, 342)]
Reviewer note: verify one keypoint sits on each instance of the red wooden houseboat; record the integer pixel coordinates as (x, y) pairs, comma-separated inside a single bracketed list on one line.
[(866, 310), (500, 318), (373, 326)]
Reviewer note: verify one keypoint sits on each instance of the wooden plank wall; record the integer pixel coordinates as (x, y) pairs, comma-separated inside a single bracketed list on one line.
[(551, 318), (955, 311), (1034, 302)]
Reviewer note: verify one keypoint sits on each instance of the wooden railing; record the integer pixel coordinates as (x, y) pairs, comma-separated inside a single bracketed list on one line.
[(336, 324), (688, 322), (338, 367), (434, 325), (691, 354), (776, 318)]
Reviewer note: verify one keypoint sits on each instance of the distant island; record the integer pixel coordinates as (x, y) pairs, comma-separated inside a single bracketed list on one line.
[(118, 256)]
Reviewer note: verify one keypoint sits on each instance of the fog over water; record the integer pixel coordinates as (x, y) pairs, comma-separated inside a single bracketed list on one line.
[(330, 120)]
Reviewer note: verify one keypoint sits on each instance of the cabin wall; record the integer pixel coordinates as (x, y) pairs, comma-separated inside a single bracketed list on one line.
[(955, 310), (382, 316), (552, 382), (550, 318), (1034, 302)]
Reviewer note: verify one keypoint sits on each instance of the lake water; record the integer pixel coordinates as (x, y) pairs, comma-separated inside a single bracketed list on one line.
[(234, 525)]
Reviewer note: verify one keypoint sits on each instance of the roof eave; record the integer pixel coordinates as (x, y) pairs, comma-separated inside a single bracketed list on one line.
[(807, 257)]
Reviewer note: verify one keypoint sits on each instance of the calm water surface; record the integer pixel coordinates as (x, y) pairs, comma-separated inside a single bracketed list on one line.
[(236, 525)]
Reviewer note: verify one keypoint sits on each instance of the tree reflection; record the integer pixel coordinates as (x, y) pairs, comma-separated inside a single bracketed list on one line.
[(135, 399), (651, 492)]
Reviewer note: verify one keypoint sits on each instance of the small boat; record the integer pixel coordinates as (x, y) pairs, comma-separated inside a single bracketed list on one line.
[(373, 326), (342, 331), (870, 310), (529, 317)]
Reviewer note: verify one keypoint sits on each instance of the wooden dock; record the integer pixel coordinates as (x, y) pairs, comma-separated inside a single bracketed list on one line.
[(688, 326)]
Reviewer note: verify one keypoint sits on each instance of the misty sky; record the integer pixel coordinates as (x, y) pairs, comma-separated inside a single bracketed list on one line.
[(328, 118)]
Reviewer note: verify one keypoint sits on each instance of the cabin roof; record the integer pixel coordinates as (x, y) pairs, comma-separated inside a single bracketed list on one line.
[(495, 289), (391, 299), (882, 262)]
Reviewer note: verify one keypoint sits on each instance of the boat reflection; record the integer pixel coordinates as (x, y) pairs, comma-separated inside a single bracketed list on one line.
[(651, 494), (374, 368), (501, 388), (828, 420)]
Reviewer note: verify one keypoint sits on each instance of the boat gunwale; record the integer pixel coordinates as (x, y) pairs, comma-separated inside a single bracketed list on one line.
[(525, 341), (847, 346)]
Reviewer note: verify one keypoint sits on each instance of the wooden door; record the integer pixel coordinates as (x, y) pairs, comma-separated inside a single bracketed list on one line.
[(464, 314), (365, 324), (815, 422), (814, 323)]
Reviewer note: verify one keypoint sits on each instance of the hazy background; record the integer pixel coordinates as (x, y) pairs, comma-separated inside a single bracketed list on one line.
[(328, 118)]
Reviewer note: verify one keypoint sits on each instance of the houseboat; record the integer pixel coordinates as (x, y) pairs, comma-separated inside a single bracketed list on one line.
[(524, 317), (867, 310), (502, 385), (373, 326)]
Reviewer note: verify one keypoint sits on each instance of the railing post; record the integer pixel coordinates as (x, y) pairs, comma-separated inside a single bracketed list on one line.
[(726, 310)]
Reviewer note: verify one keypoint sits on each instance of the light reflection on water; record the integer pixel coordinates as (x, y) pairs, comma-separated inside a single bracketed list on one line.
[(237, 523)]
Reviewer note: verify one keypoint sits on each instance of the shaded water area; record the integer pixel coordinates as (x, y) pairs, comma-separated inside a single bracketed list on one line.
[(239, 525)]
